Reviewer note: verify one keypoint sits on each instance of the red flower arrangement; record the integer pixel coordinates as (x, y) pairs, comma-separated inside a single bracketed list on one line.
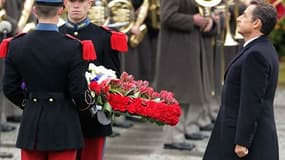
[(135, 98)]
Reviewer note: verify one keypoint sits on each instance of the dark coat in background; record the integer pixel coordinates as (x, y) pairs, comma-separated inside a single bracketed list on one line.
[(13, 12), (51, 66), (246, 116), (183, 53), (107, 57), (13, 8)]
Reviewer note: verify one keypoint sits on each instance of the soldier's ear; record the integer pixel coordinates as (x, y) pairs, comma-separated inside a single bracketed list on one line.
[(35, 12), (60, 10), (90, 2), (64, 2)]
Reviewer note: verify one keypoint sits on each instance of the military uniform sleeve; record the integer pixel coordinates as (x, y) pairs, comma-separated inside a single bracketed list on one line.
[(77, 82), (12, 80), (255, 76), (172, 18)]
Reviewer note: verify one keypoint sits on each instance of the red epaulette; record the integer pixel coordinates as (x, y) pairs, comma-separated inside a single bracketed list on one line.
[(88, 49), (5, 44), (118, 40)]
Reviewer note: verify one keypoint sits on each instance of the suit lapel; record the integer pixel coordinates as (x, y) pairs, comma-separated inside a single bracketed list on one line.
[(241, 52)]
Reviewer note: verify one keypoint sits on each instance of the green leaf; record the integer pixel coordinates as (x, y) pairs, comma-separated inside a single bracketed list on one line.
[(115, 91), (113, 116), (107, 107), (99, 100), (128, 93), (137, 94)]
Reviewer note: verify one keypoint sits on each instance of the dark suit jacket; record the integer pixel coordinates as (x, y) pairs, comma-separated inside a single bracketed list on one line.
[(107, 57), (51, 65), (246, 115)]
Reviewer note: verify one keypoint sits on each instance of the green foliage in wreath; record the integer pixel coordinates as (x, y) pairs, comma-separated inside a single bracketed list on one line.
[(278, 37)]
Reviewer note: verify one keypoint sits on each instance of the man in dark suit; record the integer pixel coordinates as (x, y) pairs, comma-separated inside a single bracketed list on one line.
[(79, 25), (51, 67), (245, 127)]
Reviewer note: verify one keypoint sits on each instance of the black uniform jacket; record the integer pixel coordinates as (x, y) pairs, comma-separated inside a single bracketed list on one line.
[(51, 66), (246, 115), (107, 57)]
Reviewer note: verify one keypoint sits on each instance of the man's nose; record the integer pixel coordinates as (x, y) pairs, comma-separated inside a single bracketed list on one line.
[(76, 4), (238, 19)]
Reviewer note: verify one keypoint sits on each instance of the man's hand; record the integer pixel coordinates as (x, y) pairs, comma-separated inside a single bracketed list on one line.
[(241, 151), (135, 30), (200, 20), (209, 25), (2, 3)]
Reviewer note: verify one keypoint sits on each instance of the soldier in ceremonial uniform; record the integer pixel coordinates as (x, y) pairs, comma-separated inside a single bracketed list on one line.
[(50, 66), (108, 45)]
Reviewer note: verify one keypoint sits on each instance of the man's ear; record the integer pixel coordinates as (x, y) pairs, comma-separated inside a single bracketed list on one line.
[(90, 2), (60, 10), (35, 12), (65, 2), (257, 23)]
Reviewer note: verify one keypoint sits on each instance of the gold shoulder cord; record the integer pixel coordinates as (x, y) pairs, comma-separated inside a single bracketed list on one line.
[(23, 104), (88, 99)]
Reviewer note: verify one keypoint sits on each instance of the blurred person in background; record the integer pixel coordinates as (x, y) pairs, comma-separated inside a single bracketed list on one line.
[(8, 22), (182, 67)]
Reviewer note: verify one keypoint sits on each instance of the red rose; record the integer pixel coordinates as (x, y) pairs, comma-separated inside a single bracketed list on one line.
[(95, 87)]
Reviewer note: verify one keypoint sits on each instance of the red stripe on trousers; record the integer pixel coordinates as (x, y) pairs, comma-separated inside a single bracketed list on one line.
[(48, 155), (93, 149)]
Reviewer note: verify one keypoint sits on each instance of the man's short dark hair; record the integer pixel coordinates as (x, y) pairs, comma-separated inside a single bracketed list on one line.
[(45, 11), (266, 13)]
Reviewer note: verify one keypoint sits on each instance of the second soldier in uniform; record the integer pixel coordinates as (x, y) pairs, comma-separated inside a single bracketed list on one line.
[(79, 26)]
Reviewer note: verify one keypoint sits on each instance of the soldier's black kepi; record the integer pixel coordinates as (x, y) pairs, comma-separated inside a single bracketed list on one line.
[(50, 2)]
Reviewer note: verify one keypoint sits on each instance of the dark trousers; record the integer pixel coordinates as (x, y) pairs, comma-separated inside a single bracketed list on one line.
[(48, 155)]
